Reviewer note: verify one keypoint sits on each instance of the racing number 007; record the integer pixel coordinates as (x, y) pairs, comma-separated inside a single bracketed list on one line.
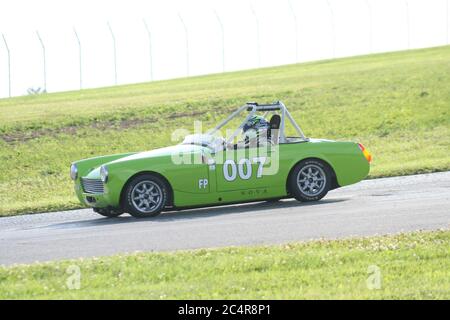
[(243, 168)]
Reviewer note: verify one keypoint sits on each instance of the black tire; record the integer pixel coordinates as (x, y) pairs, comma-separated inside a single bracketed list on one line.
[(310, 188), (131, 203), (109, 213)]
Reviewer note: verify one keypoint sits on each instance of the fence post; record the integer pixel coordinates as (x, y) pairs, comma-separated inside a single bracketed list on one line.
[(79, 57), (258, 44), (294, 16), (44, 59), (369, 9), (114, 52), (149, 35), (9, 65), (333, 32), (446, 11), (187, 43), (223, 40), (408, 26)]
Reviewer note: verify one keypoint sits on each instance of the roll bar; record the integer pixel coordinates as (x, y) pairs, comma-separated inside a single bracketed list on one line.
[(252, 108)]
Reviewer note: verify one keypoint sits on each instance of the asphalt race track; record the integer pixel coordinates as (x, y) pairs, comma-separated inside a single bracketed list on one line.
[(381, 206)]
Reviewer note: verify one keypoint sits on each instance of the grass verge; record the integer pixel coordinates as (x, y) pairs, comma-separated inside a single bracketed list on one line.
[(411, 266)]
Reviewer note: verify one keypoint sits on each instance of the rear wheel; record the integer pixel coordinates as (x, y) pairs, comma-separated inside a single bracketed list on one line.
[(310, 180), (145, 196)]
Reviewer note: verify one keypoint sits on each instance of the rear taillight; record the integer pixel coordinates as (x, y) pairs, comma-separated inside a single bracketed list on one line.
[(365, 152)]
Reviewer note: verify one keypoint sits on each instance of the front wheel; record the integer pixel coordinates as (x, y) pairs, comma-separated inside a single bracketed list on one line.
[(145, 196), (310, 180)]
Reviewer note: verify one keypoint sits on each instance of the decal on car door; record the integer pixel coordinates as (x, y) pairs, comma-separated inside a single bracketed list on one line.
[(243, 168)]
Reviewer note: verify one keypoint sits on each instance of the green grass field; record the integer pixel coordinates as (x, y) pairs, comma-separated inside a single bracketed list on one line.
[(410, 266), (397, 104)]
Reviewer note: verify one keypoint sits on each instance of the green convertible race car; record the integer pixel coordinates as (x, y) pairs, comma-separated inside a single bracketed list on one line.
[(257, 161)]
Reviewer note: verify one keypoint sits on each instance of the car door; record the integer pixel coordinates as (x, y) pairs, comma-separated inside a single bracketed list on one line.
[(186, 170), (246, 169)]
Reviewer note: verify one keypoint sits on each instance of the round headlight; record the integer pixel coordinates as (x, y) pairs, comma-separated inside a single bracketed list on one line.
[(73, 171), (104, 174)]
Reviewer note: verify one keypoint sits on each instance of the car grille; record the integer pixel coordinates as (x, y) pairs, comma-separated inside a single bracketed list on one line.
[(92, 185)]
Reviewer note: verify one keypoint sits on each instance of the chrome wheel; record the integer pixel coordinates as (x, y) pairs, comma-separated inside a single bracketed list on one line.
[(311, 180), (146, 196)]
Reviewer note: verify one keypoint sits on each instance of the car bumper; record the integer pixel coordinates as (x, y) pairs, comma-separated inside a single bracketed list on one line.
[(93, 200)]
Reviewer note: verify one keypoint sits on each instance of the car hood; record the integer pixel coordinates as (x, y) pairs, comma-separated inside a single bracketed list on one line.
[(162, 152)]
